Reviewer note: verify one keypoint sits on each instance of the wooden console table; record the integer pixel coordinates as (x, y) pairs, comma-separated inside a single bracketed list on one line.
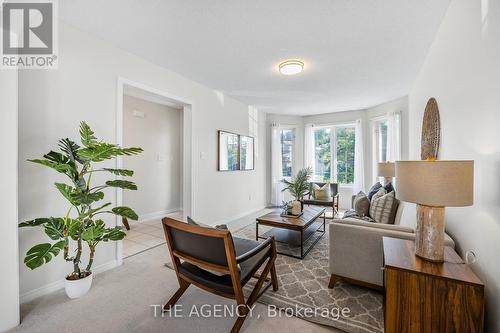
[(422, 296)]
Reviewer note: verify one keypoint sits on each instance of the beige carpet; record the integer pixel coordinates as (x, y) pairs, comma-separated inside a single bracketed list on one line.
[(120, 301)]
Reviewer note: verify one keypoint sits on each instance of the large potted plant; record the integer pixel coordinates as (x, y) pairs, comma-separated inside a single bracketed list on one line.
[(298, 186), (82, 222)]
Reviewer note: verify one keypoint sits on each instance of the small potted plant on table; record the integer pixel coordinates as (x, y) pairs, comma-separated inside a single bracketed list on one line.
[(298, 186), (81, 223)]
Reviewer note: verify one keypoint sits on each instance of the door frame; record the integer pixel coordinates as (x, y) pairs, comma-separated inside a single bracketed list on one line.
[(188, 160)]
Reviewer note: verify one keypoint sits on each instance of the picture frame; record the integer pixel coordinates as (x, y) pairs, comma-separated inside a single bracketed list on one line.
[(235, 152)]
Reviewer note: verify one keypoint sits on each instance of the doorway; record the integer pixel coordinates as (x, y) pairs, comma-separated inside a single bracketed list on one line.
[(160, 124)]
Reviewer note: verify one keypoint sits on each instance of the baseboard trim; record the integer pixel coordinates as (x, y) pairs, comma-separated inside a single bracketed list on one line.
[(157, 215), (59, 284)]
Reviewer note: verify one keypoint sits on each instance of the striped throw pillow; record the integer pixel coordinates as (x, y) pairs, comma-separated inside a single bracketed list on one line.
[(382, 208)]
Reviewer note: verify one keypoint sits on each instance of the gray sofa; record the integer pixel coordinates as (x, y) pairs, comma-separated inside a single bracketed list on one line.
[(356, 251)]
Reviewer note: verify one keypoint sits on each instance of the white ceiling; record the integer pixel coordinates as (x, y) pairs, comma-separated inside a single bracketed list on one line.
[(357, 53)]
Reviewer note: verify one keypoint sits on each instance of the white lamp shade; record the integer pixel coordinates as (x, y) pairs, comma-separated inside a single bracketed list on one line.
[(386, 169), (436, 183)]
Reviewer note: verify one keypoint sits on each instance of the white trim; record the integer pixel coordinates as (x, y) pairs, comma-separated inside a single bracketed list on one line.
[(157, 215), (59, 284), (188, 160), (329, 125), (9, 105), (239, 216)]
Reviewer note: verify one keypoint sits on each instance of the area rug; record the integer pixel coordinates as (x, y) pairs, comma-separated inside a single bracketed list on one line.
[(304, 293), (303, 284)]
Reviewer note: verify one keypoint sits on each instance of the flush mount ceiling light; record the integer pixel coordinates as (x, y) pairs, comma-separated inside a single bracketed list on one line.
[(291, 67)]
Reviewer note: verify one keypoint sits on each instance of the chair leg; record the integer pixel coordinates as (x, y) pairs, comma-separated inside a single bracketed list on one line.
[(239, 322), (254, 295), (182, 288), (333, 280), (274, 278)]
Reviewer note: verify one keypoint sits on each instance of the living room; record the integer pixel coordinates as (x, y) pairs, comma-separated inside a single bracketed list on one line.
[(392, 81)]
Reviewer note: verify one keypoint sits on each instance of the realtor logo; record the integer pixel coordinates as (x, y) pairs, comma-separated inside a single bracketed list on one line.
[(29, 35)]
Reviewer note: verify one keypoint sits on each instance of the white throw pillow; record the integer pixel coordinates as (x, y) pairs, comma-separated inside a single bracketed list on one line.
[(322, 193)]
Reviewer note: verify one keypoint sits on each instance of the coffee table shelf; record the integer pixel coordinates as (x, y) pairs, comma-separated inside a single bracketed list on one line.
[(294, 232)]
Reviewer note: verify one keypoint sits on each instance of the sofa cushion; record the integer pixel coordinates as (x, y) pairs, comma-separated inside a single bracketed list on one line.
[(361, 204), (364, 223), (406, 215), (383, 207)]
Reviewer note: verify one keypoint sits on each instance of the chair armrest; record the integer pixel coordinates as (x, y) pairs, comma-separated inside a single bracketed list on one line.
[(247, 255)]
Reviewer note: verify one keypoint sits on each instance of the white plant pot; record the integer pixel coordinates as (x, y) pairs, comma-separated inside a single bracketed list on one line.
[(296, 207), (78, 288)]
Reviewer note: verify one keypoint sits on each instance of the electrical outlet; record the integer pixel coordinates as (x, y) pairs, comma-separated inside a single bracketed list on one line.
[(249, 197)]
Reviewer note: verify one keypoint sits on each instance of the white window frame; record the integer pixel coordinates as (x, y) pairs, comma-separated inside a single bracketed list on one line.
[(333, 148)]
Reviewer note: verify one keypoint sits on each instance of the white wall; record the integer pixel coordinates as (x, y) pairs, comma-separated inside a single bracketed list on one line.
[(9, 286), (52, 103), (462, 71), (345, 192), (157, 170)]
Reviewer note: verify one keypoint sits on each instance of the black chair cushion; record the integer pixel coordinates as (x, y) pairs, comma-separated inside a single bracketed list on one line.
[(318, 202), (223, 283)]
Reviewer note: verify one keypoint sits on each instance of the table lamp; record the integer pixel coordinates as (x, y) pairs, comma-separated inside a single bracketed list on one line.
[(434, 185), (386, 170)]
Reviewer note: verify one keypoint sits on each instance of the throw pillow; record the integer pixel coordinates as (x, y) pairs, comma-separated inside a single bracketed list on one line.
[(389, 188), (361, 204), (374, 189), (380, 193), (219, 226), (321, 193), (383, 208)]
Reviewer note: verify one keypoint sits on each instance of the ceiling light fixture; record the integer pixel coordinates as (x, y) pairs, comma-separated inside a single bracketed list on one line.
[(291, 67)]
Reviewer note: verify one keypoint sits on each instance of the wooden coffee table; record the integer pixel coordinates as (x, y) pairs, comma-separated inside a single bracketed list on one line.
[(294, 231)]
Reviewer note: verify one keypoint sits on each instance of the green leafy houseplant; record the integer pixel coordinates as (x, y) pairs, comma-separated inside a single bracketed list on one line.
[(81, 223), (298, 186)]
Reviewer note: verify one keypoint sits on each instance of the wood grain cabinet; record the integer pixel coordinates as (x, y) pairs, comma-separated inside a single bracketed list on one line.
[(422, 296)]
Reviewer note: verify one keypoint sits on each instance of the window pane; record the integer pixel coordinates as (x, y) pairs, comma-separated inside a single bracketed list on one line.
[(322, 155), (287, 152), (246, 153), (346, 140)]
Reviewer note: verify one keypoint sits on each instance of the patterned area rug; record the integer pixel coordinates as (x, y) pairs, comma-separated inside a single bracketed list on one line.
[(303, 284)]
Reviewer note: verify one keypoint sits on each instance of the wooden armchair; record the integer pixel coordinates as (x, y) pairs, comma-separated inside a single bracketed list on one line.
[(196, 250), (333, 201)]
